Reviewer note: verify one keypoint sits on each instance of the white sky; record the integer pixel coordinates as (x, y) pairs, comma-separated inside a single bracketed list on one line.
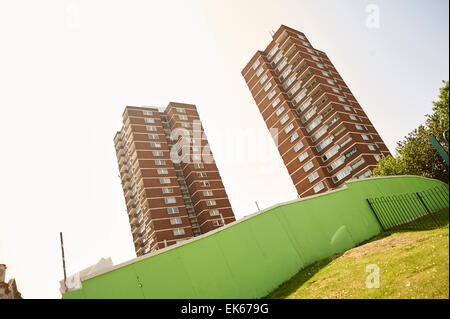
[(68, 69)]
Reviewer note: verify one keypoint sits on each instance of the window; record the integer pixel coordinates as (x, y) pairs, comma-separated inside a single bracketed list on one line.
[(336, 163), (318, 134), (157, 153), (325, 73), (147, 113), (342, 174), (204, 183), (147, 120), (207, 193), (347, 108), (280, 110), (180, 110), (175, 221), (303, 156), (289, 82), (214, 212), (256, 64), (260, 70), (160, 162), (263, 79), (358, 163), (272, 52), (295, 89), (315, 58), (182, 117), (201, 174), (284, 119), (365, 174), (155, 145), (179, 231), (275, 102), (304, 105), (162, 171), (166, 190), (309, 114), (301, 37), (164, 180), (347, 140), (271, 94), (318, 187), (153, 137), (310, 51), (210, 202), (340, 98), (172, 210), (199, 165), (170, 200), (267, 87), (308, 166), (293, 137), (306, 44), (298, 146), (282, 65), (151, 128), (330, 153), (286, 73), (353, 117), (313, 177), (359, 127), (365, 137), (314, 124), (319, 65), (371, 147), (289, 128), (336, 91), (277, 58), (186, 125)]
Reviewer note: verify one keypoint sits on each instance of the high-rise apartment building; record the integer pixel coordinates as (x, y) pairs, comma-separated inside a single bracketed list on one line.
[(173, 189), (324, 136)]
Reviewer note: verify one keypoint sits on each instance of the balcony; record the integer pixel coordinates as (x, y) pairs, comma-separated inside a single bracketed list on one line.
[(351, 152), (123, 169), (136, 238)]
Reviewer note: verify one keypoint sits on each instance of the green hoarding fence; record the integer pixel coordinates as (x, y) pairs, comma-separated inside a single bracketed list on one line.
[(253, 256)]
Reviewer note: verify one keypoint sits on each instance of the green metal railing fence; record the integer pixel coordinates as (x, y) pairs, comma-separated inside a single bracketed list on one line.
[(420, 210)]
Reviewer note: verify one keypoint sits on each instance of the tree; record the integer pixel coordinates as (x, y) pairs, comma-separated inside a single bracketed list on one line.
[(415, 154)]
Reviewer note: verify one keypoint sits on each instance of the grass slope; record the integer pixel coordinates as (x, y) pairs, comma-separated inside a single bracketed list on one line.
[(412, 265)]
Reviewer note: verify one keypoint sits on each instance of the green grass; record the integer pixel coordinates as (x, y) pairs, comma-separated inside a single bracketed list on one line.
[(412, 264)]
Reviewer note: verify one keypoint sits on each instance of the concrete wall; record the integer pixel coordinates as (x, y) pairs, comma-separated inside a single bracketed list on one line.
[(250, 258)]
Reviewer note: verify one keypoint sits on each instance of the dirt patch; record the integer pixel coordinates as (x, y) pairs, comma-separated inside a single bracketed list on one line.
[(382, 244)]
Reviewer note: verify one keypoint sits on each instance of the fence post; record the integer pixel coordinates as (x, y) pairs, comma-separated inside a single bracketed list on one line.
[(373, 211), (428, 211)]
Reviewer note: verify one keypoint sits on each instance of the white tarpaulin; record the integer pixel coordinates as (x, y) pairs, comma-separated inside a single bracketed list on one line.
[(74, 282)]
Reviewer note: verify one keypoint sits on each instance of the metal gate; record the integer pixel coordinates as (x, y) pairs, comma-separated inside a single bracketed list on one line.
[(411, 211)]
